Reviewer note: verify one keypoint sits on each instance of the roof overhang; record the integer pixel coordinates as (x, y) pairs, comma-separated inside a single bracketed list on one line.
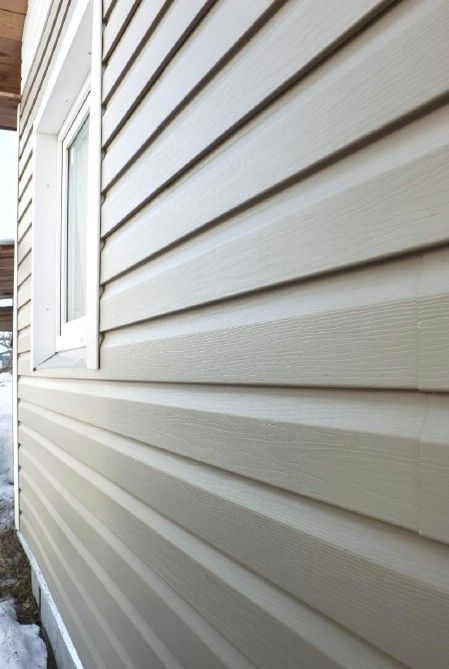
[(12, 17), (6, 319), (6, 269), (6, 284)]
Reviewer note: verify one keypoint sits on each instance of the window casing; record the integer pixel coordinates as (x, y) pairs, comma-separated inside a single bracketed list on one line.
[(66, 199)]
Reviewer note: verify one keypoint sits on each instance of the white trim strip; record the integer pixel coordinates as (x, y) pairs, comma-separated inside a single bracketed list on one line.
[(15, 439), (45, 592), (94, 192)]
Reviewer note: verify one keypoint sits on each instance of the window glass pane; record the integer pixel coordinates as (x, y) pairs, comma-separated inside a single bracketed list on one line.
[(76, 224)]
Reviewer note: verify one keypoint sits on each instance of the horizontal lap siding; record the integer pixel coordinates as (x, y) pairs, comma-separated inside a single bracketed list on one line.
[(299, 441), (24, 340), (282, 141), (374, 327), (399, 571), (351, 212), (269, 423), (223, 30), (221, 582)]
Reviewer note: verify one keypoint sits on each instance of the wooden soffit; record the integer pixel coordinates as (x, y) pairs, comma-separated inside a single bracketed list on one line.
[(12, 17), (6, 269), (6, 319)]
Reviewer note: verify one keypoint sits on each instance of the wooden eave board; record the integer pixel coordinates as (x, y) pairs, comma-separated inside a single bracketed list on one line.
[(6, 270), (12, 17)]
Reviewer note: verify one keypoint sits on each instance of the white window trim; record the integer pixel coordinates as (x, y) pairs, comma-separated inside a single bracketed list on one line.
[(79, 57)]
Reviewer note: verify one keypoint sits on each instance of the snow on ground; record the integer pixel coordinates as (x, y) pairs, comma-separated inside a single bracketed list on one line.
[(21, 646), (6, 427), (6, 476), (6, 505)]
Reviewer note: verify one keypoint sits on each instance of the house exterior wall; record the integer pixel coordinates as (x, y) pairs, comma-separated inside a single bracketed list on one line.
[(35, 21), (258, 472)]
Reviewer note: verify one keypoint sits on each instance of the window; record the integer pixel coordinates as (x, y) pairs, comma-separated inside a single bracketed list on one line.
[(73, 148), (66, 199), (74, 289)]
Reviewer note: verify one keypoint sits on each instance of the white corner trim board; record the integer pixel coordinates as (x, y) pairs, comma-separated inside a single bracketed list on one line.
[(69, 650), (78, 61), (15, 341)]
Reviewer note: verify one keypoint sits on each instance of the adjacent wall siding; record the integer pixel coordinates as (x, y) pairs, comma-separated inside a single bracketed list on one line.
[(258, 473)]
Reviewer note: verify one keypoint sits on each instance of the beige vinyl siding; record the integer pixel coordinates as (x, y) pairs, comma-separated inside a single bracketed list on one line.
[(258, 473), (24, 223), (117, 22), (24, 266), (24, 340), (43, 57), (35, 20), (24, 293)]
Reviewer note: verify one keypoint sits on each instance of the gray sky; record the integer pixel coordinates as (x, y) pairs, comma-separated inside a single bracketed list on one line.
[(8, 174)]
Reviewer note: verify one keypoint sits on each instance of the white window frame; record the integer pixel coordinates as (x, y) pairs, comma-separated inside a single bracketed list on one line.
[(71, 334), (77, 68)]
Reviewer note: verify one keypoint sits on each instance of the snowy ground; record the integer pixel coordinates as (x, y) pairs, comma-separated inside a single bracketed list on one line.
[(6, 505), (21, 646), (6, 475), (6, 427)]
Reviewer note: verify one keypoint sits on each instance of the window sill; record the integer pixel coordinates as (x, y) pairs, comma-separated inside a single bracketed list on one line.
[(73, 359)]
